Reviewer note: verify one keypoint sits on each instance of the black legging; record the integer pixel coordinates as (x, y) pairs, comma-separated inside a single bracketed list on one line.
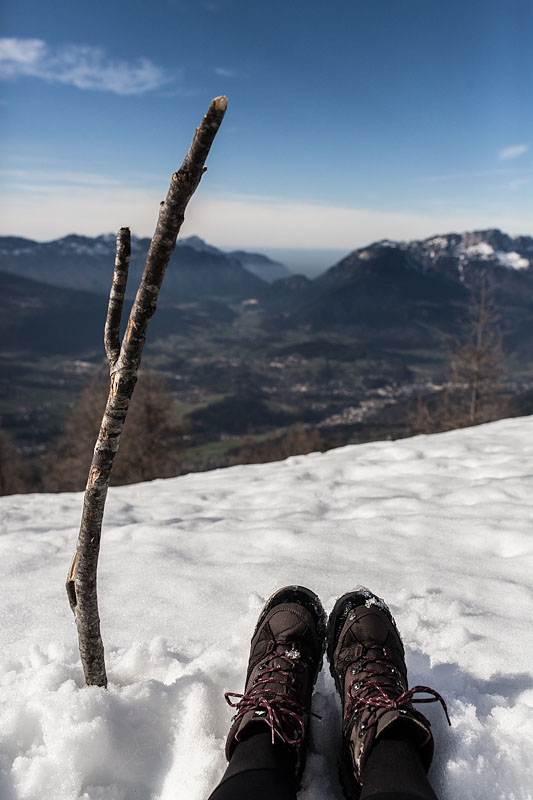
[(260, 771)]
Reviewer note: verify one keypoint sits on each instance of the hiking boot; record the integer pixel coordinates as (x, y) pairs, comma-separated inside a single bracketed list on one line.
[(367, 661), (285, 658)]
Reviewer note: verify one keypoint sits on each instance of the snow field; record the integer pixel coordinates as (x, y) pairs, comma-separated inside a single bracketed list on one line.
[(439, 526)]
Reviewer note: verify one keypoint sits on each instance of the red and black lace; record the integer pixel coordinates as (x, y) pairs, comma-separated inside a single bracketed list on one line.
[(379, 687), (273, 692)]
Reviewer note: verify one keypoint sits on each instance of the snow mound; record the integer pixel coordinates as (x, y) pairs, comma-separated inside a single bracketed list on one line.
[(438, 526)]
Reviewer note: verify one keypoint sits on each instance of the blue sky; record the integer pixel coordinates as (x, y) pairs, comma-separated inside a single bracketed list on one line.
[(347, 122)]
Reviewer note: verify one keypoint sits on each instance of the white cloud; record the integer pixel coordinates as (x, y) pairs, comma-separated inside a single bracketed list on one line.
[(513, 152), (20, 55), (78, 65)]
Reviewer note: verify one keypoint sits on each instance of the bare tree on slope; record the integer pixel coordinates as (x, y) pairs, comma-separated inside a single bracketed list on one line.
[(151, 447), (473, 392)]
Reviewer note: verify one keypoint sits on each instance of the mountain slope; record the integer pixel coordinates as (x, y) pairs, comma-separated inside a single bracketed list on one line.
[(196, 269), (40, 319), (43, 319), (84, 263), (381, 295), (407, 291), (262, 266), (439, 526)]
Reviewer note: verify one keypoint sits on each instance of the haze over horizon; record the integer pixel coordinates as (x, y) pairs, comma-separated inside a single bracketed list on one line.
[(344, 125)]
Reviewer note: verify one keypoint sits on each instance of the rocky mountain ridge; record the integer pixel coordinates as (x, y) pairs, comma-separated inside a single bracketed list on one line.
[(450, 253), (85, 263), (415, 283)]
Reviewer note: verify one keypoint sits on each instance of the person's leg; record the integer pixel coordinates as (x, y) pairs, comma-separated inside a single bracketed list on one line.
[(394, 772), (266, 745), (258, 770), (387, 745)]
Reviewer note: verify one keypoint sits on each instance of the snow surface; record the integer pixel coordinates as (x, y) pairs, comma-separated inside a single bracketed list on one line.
[(438, 241), (484, 251), (480, 250), (512, 260), (439, 526)]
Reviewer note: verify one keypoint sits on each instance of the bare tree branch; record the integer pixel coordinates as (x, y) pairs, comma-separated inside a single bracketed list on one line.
[(82, 576), (116, 296)]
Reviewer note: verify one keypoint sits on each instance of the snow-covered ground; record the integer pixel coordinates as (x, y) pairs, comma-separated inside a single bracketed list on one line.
[(439, 526)]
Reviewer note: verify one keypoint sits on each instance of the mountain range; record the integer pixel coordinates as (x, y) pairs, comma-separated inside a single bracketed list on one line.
[(388, 291), (83, 263), (239, 350)]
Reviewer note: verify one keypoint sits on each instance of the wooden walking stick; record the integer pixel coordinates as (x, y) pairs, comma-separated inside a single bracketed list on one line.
[(124, 360)]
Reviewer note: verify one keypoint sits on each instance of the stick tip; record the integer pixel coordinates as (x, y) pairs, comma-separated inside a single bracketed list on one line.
[(220, 103)]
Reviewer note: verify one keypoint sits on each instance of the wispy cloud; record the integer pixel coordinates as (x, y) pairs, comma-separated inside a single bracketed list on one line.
[(516, 184), (257, 221), (83, 66), (230, 221), (513, 152), (458, 176), (225, 73), (45, 180)]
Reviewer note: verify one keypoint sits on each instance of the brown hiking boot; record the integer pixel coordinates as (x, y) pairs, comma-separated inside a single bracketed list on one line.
[(367, 661), (285, 658)]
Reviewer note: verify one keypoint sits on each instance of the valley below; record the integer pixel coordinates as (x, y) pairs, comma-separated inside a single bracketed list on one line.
[(263, 368)]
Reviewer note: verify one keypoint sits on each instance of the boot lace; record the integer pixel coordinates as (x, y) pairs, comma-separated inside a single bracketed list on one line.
[(388, 694), (283, 711)]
